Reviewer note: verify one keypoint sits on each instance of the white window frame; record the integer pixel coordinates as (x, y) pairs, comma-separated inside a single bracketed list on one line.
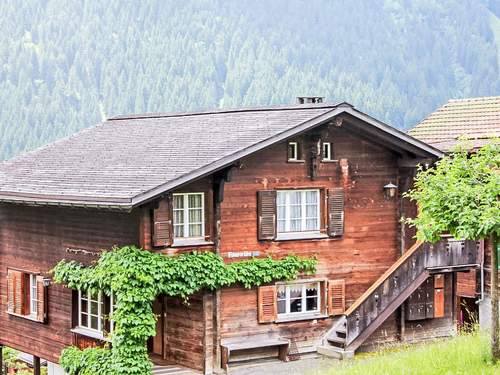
[(295, 145), (327, 151), (33, 295), (185, 209), (100, 312), (303, 211), (303, 297)]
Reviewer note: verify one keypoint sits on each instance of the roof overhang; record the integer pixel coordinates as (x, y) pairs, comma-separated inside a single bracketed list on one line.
[(391, 137)]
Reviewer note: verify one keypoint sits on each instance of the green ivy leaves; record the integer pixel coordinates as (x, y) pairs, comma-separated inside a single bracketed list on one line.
[(136, 277)]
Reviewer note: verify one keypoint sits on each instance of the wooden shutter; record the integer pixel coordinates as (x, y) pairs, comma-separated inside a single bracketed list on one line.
[(266, 212), (10, 291), (336, 297), (41, 300), (16, 295), (335, 212), (162, 224), (268, 308)]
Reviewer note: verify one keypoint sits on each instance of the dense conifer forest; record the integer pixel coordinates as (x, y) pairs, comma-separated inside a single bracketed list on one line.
[(68, 64)]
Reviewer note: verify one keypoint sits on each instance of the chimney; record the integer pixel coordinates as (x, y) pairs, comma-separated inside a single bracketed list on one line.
[(310, 99)]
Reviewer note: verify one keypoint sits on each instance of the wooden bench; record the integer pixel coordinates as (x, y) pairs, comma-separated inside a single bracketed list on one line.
[(227, 348)]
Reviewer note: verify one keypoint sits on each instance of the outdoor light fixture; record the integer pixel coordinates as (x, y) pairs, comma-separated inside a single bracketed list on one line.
[(46, 281), (390, 190)]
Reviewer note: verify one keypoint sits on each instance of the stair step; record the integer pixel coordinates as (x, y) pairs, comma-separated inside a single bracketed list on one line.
[(334, 352), (336, 341), (341, 334)]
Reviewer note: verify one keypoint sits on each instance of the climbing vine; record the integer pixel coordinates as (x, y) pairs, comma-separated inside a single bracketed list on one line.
[(136, 277)]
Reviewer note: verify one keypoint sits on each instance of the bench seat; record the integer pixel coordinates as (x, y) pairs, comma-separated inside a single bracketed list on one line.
[(229, 347)]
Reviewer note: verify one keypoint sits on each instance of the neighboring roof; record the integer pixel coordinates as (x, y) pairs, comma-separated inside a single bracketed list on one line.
[(128, 160), (476, 119)]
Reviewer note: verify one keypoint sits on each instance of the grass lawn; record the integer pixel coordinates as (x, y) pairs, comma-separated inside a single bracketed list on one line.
[(464, 354)]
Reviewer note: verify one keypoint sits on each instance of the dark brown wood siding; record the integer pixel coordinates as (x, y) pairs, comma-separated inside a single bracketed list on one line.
[(35, 239)]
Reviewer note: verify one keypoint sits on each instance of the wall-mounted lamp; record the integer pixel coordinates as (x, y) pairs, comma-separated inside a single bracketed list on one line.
[(390, 190), (46, 281)]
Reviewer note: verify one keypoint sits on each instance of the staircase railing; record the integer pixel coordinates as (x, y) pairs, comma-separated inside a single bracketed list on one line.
[(392, 288)]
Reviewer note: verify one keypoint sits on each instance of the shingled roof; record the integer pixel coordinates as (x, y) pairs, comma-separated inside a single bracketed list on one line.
[(128, 160), (475, 119)]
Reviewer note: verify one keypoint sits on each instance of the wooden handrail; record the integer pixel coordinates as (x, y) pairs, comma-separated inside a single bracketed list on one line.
[(382, 278)]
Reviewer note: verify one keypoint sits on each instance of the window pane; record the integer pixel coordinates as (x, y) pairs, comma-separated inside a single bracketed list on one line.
[(94, 322), (195, 216), (295, 212), (178, 217), (281, 212), (311, 289), (281, 198), (194, 200), (296, 225), (312, 224), (84, 320), (296, 291), (178, 230), (281, 225), (295, 197), (84, 305), (295, 305), (195, 230), (281, 292), (94, 309), (311, 303), (178, 201), (311, 197), (282, 307), (311, 211)]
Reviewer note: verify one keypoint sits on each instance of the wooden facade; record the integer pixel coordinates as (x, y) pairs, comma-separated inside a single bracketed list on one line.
[(366, 240)]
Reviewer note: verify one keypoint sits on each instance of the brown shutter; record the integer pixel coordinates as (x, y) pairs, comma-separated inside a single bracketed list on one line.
[(266, 210), (41, 300), (162, 224), (18, 287), (336, 297), (267, 304), (335, 212), (10, 291)]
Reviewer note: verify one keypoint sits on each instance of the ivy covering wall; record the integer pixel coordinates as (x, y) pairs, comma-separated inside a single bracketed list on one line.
[(136, 277)]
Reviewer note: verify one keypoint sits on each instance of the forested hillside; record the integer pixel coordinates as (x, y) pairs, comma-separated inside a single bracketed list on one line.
[(67, 64)]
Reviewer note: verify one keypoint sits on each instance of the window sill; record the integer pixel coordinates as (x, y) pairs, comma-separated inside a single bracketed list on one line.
[(299, 317), (301, 236), (181, 242), (295, 161), (90, 333), (329, 161), (27, 317)]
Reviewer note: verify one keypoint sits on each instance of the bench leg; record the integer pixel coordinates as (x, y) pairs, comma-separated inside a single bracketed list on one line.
[(283, 353), (224, 357)]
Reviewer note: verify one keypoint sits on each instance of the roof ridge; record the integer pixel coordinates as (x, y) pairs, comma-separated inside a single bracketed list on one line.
[(477, 98), (230, 110)]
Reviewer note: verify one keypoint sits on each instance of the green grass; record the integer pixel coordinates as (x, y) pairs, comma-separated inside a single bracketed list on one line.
[(464, 354)]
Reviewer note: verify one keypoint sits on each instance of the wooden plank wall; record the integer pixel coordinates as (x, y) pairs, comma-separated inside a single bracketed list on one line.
[(185, 330), (35, 239), (369, 246)]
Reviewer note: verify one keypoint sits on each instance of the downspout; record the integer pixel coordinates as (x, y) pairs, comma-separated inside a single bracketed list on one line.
[(481, 273)]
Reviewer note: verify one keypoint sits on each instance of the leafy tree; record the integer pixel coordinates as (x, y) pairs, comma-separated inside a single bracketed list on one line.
[(460, 195)]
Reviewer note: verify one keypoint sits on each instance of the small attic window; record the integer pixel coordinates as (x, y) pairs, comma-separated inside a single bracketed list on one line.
[(293, 151), (327, 151)]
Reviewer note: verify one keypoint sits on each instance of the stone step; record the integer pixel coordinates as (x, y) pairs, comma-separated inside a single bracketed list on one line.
[(334, 352), (336, 341), (172, 370)]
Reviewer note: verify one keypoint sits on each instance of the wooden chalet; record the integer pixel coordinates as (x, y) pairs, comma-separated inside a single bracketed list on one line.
[(473, 123), (312, 179)]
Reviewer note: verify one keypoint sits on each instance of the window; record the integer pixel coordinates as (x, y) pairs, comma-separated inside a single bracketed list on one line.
[(298, 210), (298, 298), (293, 151), (94, 311), (33, 295), (189, 215), (327, 151), (26, 295)]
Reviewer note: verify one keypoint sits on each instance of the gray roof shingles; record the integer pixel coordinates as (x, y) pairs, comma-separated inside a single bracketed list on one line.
[(129, 159)]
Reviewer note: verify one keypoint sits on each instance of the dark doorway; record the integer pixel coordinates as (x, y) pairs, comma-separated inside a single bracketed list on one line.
[(156, 344), (468, 313)]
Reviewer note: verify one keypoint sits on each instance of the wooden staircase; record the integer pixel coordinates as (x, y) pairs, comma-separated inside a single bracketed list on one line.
[(386, 294)]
